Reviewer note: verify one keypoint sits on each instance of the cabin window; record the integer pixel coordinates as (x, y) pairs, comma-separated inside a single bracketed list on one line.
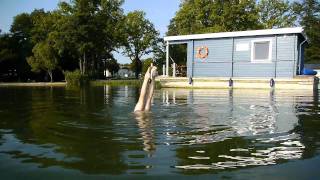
[(261, 51)]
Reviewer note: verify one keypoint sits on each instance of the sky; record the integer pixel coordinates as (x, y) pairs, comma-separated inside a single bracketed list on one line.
[(159, 12)]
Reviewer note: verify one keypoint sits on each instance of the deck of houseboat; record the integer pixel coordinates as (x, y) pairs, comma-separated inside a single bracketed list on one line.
[(298, 82)]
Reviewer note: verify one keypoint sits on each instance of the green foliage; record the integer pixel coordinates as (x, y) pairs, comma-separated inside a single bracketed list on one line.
[(8, 57), (21, 35), (159, 55), (308, 12), (204, 16), (140, 36), (75, 78), (6, 48), (112, 65), (276, 14), (44, 24), (44, 58), (146, 64), (22, 26), (82, 33), (179, 53), (90, 30), (136, 66)]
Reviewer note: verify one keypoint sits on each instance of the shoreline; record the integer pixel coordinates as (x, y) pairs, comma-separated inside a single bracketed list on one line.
[(32, 84), (131, 82)]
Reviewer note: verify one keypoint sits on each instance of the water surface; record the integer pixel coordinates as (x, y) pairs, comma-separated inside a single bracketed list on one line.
[(92, 133)]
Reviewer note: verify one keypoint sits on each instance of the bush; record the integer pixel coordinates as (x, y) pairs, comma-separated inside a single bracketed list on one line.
[(75, 78)]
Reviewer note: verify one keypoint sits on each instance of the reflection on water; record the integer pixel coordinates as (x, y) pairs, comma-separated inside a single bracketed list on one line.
[(240, 128), (93, 130), (144, 122)]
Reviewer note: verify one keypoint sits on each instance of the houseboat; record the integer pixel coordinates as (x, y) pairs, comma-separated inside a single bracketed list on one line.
[(270, 58)]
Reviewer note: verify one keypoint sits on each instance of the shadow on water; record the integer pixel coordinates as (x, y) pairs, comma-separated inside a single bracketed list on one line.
[(93, 130)]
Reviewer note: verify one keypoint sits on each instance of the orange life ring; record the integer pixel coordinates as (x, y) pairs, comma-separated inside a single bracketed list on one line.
[(202, 52)]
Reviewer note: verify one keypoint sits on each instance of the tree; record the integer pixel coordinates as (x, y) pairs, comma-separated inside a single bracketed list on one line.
[(112, 65), (240, 15), (89, 30), (44, 23), (47, 29), (159, 54), (276, 14), (8, 57), (44, 58), (21, 34), (207, 16), (146, 64), (308, 12), (81, 33), (140, 35), (22, 26)]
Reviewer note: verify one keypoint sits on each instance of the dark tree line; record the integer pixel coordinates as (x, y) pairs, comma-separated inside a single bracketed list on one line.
[(82, 34)]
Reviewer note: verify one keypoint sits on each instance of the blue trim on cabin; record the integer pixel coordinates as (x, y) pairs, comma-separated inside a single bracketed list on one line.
[(232, 58), (276, 60), (190, 58)]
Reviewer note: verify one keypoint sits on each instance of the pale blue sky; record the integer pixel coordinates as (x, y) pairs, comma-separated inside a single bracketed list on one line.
[(158, 11)]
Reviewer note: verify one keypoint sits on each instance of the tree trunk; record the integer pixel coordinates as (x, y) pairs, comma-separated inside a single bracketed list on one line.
[(84, 63), (51, 76), (80, 66), (138, 67)]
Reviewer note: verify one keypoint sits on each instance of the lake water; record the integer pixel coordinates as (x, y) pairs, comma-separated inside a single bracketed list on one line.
[(92, 133)]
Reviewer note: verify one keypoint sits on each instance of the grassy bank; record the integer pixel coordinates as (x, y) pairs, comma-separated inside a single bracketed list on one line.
[(131, 82), (127, 82)]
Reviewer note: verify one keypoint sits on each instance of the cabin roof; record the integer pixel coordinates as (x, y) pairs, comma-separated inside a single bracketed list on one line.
[(294, 30)]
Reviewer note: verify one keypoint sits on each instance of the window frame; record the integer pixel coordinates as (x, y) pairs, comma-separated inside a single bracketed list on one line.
[(269, 59)]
